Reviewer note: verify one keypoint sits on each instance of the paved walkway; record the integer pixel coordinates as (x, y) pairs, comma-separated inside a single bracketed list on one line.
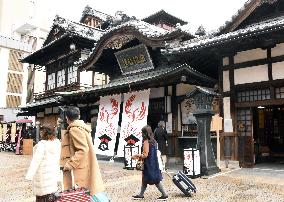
[(253, 185)]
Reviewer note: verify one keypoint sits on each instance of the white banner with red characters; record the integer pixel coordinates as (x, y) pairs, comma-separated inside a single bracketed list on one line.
[(107, 125), (134, 118)]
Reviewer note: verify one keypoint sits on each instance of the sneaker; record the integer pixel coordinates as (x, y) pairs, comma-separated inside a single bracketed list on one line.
[(162, 198), (137, 197)]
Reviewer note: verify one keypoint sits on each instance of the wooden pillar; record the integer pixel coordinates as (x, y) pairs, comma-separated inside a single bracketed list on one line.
[(232, 90), (270, 78), (46, 79), (174, 109)]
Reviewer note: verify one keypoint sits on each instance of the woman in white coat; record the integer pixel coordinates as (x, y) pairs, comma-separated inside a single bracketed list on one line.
[(44, 170)]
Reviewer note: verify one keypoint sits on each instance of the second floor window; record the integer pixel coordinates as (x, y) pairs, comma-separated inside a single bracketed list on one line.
[(72, 75), (61, 78), (50, 81)]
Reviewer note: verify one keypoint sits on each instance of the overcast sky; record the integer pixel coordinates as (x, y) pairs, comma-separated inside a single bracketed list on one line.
[(210, 13)]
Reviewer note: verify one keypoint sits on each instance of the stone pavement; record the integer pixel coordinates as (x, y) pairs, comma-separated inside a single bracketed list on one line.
[(234, 184)]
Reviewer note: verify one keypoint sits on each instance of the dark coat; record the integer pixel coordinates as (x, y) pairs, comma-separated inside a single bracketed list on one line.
[(161, 136)]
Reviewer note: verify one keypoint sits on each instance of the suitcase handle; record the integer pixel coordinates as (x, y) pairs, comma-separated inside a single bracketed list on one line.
[(73, 185)]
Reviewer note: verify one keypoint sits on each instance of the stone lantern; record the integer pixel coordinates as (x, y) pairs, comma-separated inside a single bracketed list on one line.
[(203, 98)]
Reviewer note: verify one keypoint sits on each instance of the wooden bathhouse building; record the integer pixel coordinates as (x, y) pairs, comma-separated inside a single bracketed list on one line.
[(104, 55)]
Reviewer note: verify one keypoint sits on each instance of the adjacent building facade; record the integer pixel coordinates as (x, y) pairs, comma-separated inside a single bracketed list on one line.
[(19, 36), (250, 51)]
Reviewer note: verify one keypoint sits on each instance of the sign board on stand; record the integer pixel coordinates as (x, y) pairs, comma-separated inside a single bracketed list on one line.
[(217, 125), (191, 165), (129, 151)]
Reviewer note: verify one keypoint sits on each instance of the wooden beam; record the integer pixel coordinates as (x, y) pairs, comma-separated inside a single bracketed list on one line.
[(271, 102)]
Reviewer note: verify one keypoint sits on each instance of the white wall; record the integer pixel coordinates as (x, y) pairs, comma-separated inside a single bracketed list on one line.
[(14, 13), (251, 74), (249, 55), (226, 81), (157, 92), (182, 89), (277, 50), (9, 114), (227, 107), (39, 81), (278, 70), (225, 61)]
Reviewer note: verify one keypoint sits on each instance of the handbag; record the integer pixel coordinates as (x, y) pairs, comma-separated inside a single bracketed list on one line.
[(160, 160), (140, 164), (72, 195)]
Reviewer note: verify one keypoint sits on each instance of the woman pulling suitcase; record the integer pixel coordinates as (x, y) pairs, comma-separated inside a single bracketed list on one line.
[(151, 173)]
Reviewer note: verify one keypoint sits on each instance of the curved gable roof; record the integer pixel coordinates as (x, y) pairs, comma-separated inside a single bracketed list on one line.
[(137, 28)]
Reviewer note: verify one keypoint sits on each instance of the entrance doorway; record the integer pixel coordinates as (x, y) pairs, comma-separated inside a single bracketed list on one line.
[(153, 119), (156, 112), (269, 134)]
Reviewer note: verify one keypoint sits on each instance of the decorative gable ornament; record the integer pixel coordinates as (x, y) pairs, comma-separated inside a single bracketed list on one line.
[(118, 42), (119, 18), (200, 31)]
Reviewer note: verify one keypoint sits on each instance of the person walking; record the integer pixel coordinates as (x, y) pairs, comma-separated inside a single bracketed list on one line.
[(161, 136), (94, 127), (44, 169), (151, 174), (78, 155)]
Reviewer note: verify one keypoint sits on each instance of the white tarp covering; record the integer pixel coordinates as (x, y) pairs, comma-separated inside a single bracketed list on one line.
[(107, 124), (134, 117)]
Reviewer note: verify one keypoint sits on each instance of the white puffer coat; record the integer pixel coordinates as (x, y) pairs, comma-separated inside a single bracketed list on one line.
[(44, 169)]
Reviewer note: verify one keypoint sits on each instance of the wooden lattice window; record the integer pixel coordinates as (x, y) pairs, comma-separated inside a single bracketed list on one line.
[(157, 105), (51, 81), (15, 83), (14, 63), (244, 122), (253, 95), (72, 74), (279, 92), (13, 101), (61, 78)]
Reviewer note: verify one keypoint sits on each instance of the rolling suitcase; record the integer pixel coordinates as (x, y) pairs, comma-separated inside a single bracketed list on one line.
[(184, 183)]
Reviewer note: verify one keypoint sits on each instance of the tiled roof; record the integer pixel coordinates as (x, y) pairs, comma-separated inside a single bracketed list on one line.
[(146, 76), (76, 28), (92, 12), (71, 29), (163, 12), (208, 91), (43, 102), (244, 12), (146, 29), (207, 41)]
